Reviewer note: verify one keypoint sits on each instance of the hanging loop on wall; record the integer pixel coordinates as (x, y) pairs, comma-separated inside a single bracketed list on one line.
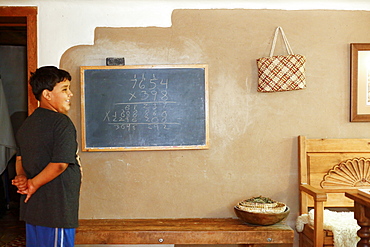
[(287, 45)]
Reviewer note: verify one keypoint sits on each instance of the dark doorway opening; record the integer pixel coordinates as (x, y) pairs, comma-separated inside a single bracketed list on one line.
[(18, 57)]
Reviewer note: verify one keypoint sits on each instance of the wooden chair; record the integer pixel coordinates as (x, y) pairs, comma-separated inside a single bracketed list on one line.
[(327, 169)]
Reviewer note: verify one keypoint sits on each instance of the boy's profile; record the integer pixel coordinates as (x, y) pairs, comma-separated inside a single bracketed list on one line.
[(48, 171)]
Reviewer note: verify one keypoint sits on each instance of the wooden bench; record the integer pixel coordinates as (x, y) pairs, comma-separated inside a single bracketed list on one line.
[(328, 168), (181, 231)]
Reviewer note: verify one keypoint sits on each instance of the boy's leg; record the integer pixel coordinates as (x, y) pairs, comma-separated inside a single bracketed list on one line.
[(40, 236), (31, 235), (66, 237)]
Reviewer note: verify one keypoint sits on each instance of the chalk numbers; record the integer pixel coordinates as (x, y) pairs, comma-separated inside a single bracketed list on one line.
[(146, 106)]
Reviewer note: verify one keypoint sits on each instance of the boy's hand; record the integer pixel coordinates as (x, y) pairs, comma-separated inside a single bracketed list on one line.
[(25, 186), (21, 182), (31, 189), (30, 186)]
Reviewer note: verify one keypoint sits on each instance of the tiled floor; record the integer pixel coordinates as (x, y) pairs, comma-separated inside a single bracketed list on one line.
[(11, 229)]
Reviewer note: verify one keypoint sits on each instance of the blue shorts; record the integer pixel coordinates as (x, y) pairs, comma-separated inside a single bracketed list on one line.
[(41, 236)]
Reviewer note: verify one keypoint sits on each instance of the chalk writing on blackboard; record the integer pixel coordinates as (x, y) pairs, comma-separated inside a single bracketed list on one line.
[(144, 107)]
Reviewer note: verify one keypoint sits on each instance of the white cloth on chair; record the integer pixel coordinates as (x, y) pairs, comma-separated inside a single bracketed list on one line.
[(343, 225), (8, 146)]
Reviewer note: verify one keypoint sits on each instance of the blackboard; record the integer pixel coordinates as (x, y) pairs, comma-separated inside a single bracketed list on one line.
[(156, 107)]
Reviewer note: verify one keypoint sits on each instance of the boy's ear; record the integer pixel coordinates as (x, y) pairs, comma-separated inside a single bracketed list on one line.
[(46, 94)]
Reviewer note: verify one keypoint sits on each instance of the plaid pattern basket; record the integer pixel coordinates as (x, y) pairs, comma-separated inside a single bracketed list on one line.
[(281, 73)]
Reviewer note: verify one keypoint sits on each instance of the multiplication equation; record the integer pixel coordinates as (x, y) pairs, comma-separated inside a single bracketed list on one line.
[(147, 105)]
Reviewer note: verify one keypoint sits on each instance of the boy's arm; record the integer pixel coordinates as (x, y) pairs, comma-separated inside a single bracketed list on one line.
[(51, 171), (20, 179)]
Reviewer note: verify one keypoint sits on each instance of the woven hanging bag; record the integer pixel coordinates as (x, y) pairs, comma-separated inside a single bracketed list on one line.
[(281, 73)]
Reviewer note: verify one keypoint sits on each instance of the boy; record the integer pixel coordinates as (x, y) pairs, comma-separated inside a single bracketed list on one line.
[(48, 171)]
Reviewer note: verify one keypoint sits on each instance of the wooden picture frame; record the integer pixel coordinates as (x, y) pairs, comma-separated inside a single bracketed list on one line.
[(360, 82), (144, 107)]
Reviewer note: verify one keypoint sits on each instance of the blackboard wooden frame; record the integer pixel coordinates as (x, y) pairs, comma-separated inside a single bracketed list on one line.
[(91, 75)]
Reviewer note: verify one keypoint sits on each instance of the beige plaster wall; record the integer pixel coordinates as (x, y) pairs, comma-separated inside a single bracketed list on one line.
[(253, 136)]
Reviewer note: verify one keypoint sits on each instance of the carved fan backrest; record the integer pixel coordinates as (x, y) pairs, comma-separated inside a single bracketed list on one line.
[(351, 173)]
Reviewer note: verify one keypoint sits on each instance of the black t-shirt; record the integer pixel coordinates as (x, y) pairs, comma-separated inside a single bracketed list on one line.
[(47, 136)]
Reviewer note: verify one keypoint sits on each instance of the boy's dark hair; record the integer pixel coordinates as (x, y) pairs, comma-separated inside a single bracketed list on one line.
[(46, 78)]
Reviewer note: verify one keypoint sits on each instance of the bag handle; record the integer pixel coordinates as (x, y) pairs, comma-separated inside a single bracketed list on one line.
[(287, 45)]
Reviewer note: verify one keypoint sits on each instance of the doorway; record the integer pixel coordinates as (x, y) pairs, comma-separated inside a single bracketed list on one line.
[(18, 58), (19, 25)]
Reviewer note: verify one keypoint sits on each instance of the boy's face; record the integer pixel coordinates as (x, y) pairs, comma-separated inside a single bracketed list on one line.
[(59, 99)]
